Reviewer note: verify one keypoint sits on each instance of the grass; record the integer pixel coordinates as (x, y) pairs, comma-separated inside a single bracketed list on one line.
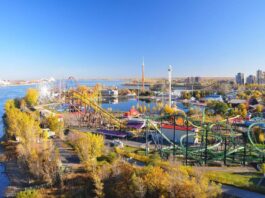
[(139, 154), (240, 180), (131, 149)]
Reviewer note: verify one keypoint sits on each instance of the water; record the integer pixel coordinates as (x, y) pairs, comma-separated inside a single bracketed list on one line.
[(125, 104), (5, 94), (108, 83)]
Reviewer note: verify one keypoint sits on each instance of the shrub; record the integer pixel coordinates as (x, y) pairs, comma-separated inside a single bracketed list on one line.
[(31, 193)]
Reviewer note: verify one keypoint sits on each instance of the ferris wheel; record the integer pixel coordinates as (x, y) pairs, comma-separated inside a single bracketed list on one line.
[(71, 83)]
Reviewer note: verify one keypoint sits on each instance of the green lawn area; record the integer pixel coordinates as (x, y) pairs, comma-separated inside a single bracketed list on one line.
[(242, 180)]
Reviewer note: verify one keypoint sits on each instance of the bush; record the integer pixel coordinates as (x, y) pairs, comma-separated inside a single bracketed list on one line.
[(32, 193)]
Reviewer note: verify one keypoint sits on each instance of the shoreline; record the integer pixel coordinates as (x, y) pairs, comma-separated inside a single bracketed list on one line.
[(18, 179), (18, 85)]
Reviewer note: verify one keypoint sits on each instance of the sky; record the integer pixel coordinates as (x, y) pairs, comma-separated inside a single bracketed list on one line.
[(109, 38)]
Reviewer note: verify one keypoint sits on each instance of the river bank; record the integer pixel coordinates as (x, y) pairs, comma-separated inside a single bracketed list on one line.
[(10, 92), (4, 181), (18, 178)]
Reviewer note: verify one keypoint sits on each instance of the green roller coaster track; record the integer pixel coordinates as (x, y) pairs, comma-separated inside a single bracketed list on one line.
[(214, 153), (206, 151)]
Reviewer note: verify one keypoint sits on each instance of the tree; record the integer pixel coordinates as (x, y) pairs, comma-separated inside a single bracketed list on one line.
[(54, 124), (218, 107), (185, 95), (259, 108), (32, 97), (243, 110), (98, 184), (89, 146), (21, 124), (168, 109), (157, 182)]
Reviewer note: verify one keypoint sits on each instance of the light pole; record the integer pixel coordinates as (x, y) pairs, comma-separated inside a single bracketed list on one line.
[(169, 80)]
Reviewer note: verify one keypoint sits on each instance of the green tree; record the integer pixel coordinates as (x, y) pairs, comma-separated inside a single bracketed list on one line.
[(218, 107)]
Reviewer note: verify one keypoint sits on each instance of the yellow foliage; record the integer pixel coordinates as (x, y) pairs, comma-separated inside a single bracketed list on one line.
[(157, 181), (54, 124), (21, 124), (89, 146), (31, 97), (259, 108), (168, 109)]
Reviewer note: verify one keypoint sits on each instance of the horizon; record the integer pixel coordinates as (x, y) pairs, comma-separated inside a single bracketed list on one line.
[(103, 39), (124, 78)]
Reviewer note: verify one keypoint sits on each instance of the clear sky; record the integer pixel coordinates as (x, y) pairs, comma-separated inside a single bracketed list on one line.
[(108, 38)]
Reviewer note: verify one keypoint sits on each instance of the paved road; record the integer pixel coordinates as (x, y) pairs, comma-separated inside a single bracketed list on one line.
[(237, 192), (68, 156)]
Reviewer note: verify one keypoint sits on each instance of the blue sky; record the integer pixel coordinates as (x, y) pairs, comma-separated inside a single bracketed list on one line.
[(108, 38)]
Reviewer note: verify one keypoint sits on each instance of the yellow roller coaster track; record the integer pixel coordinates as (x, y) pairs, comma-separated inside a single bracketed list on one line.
[(97, 108)]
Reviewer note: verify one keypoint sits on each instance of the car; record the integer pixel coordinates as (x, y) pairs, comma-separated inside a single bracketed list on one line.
[(117, 143)]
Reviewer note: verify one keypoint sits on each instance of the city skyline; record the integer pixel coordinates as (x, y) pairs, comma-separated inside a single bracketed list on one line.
[(103, 39)]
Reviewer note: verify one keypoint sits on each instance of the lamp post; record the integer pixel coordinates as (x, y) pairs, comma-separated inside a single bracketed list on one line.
[(169, 88)]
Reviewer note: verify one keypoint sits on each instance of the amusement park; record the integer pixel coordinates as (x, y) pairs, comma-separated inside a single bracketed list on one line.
[(171, 132), (213, 134), (82, 116)]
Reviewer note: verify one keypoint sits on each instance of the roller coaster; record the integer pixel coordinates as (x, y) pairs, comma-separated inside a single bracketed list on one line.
[(214, 142), (224, 141)]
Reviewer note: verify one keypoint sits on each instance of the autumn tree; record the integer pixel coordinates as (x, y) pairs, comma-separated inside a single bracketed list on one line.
[(259, 108), (242, 108), (155, 182), (88, 146), (168, 109), (32, 97), (34, 153), (55, 124), (185, 95), (21, 124)]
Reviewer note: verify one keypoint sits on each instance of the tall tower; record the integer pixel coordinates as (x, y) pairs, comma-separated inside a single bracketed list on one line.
[(169, 80), (143, 75)]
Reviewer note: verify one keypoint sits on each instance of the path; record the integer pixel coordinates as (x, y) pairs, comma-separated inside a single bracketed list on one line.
[(237, 192), (68, 156)]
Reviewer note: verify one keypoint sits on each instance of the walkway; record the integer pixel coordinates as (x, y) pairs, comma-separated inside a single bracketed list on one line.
[(68, 156), (237, 192)]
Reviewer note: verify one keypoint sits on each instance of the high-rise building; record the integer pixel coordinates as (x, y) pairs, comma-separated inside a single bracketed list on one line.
[(260, 77), (197, 79), (240, 79), (192, 80), (251, 79)]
